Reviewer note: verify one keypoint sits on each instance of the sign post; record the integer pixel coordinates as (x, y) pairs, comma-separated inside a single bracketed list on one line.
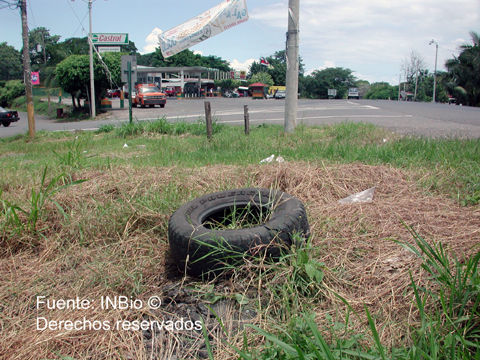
[(129, 70), (129, 76)]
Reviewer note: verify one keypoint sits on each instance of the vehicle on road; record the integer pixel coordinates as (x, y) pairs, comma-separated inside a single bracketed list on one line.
[(353, 93), (148, 94), (280, 94), (8, 116)]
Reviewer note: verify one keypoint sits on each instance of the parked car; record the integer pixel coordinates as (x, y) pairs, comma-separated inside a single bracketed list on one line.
[(280, 94), (172, 90), (8, 116), (231, 94), (111, 93), (148, 94)]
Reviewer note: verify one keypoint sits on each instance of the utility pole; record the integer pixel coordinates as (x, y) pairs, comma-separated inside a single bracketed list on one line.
[(399, 82), (291, 98), (92, 80), (435, 72), (27, 75)]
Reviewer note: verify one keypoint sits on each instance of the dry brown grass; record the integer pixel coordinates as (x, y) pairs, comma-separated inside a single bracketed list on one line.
[(114, 243)]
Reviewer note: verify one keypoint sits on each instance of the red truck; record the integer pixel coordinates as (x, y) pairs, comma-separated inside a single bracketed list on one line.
[(148, 94)]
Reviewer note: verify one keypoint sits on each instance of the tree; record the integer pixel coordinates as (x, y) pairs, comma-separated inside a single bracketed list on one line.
[(183, 58), (382, 90), (11, 64), (416, 65), (41, 44), (363, 87), (277, 67), (262, 77), (317, 85), (228, 84), (10, 91), (464, 73), (73, 75)]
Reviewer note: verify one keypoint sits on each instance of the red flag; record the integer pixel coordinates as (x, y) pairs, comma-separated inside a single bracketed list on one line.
[(264, 62)]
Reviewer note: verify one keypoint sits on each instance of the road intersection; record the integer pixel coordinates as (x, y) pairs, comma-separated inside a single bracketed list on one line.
[(424, 119)]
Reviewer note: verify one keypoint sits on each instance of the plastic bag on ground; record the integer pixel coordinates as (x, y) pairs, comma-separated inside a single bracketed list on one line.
[(361, 197)]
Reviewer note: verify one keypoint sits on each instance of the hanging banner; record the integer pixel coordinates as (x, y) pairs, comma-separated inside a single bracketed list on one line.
[(35, 75), (212, 22)]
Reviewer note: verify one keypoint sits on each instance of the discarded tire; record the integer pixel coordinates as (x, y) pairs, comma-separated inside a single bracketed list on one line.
[(212, 230)]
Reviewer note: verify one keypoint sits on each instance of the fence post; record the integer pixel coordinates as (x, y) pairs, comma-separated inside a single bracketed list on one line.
[(246, 117), (208, 119)]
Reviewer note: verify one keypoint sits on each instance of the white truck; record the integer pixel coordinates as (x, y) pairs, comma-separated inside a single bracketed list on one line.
[(353, 93)]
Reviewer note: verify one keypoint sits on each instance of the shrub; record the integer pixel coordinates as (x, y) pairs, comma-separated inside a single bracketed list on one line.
[(11, 90)]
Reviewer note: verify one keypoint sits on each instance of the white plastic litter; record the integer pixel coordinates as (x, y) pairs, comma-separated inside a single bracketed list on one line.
[(268, 159), (271, 158), (361, 197), (125, 145)]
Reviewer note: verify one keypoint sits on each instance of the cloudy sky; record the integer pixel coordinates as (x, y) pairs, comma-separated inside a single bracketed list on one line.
[(371, 37)]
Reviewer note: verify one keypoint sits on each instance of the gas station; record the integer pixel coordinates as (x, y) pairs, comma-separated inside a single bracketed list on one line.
[(191, 81)]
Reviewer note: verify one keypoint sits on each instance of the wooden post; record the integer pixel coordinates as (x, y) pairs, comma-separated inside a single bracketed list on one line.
[(246, 117), (208, 119), (27, 75)]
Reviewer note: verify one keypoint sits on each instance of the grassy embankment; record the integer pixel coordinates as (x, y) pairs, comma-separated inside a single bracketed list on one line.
[(357, 291)]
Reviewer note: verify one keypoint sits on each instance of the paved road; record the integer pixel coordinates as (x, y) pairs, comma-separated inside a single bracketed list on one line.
[(425, 119)]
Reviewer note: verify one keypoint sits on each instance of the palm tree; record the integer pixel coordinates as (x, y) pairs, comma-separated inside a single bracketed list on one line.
[(464, 72)]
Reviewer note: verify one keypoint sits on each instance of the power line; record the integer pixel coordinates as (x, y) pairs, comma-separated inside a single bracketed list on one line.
[(11, 4), (76, 16)]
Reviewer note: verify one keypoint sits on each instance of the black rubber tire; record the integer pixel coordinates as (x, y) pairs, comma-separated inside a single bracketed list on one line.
[(6, 123), (162, 105), (191, 239)]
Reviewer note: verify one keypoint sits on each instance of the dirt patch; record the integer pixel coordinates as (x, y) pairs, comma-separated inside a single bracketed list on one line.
[(114, 242)]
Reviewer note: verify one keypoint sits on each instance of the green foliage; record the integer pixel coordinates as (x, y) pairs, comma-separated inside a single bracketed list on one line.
[(277, 69), (162, 126), (41, 45), (382, 90), (183, 58), (464, 73), (448, 328), (11, 90), (73, 157), (42, 107), (316, 85), (105, 128), (11, 63), (38, 200), (262, 77), (455, 303), (228, 84), (73, 74)]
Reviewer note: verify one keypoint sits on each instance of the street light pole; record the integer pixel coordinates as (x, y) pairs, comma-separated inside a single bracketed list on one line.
[(291, 98), (435, 72), (92, 81)]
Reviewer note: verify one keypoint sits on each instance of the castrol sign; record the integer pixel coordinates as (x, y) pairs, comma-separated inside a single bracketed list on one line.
[(109, 39)]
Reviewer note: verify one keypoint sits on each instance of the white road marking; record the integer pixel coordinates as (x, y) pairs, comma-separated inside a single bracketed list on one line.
[(319, 117)]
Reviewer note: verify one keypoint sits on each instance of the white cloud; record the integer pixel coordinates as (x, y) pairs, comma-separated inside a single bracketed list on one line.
[(151, 41), (241, 66), (197, 52), (373, 35)]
